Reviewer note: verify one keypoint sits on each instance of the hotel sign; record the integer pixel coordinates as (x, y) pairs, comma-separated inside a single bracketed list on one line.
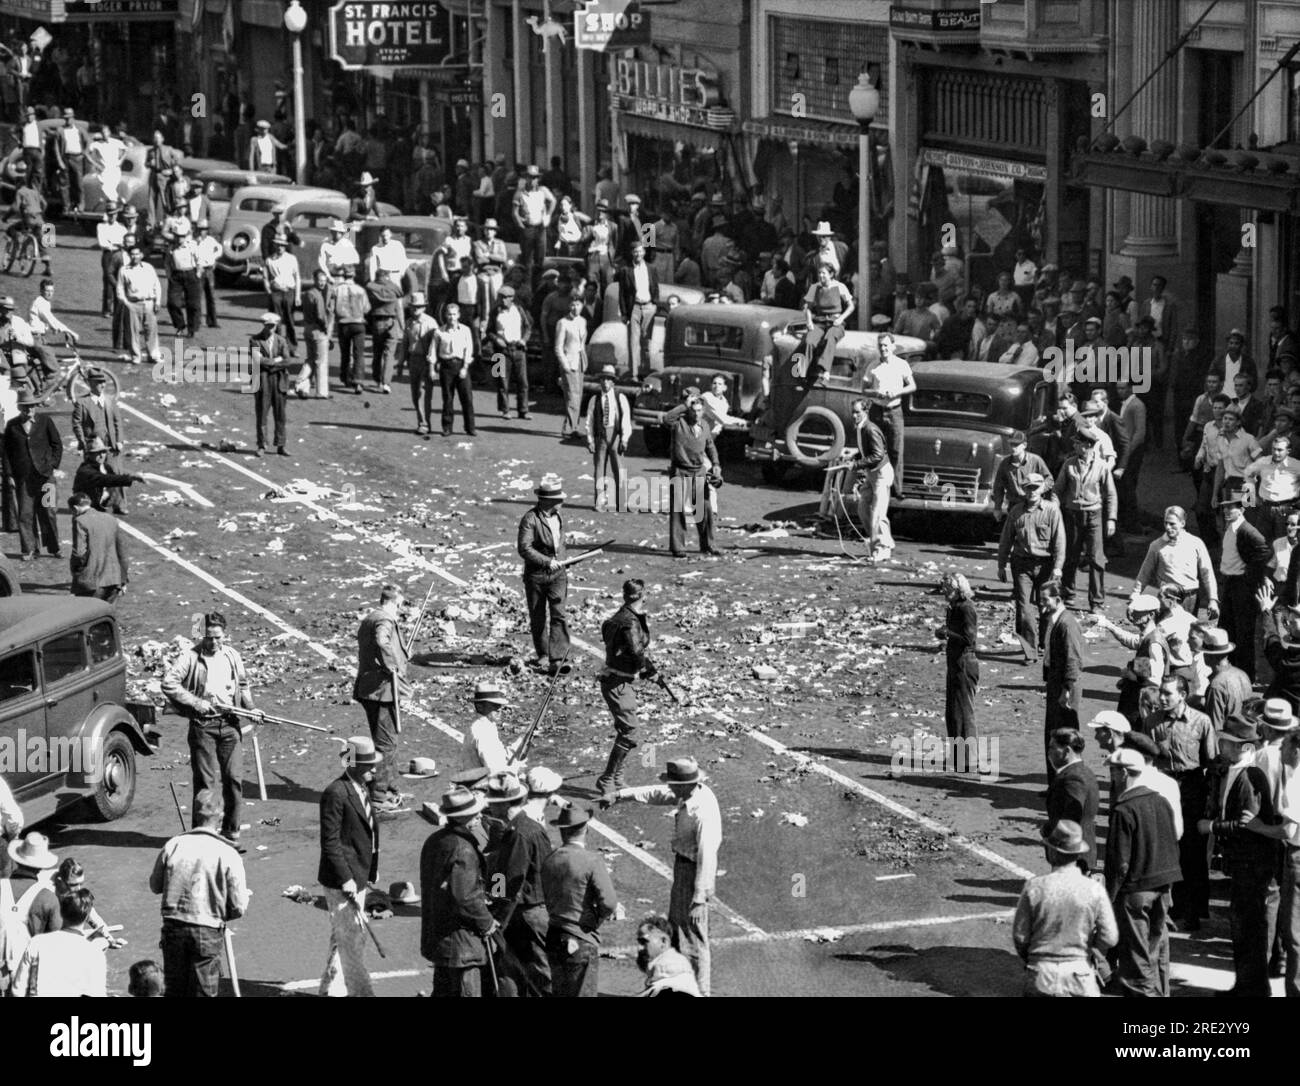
[(389, 34)]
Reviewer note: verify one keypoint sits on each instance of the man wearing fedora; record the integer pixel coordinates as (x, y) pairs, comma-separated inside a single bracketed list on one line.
[(1241, 797), (203, 885), (638, 303), (697, 836), (627, 642), (579, 899), (490, 259), (1073, 795), (110, 235), (1062, 919), (508, 329), (95, 416), (97, 481), (349, 863), (1243, 569), (1229, 687), (30, 893), (98, 562), (271, 364), (481, 745), (33, 451), (609, 429), (546, 585), (515, 871), (380, 680), (338, 252), (455, 922)]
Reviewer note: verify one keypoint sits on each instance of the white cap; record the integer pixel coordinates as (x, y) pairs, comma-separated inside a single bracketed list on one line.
[(542, 781), (1108, 718), (1130, 759)]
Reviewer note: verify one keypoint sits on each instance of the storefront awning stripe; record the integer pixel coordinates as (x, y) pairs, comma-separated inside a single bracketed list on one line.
[(704, 139), (832, 133)]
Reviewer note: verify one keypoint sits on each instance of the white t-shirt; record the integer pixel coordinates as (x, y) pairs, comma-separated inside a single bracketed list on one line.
[(61, 963)]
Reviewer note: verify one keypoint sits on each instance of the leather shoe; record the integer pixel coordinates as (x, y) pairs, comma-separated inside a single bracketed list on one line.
[(281, 450)]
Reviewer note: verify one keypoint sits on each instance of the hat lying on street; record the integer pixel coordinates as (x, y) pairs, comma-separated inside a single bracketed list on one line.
[(490, 692), (461, 803), (506, 788), (576, 814), (1217, 643), (33, 851), (360, 750), (96, 445), (682, 771), (1113, 721), (1066, 838), (1277, 715), (420, 768), (270, 318), (542, 781), (403, 893)]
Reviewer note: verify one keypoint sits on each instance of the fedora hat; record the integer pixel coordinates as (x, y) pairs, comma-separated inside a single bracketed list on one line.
[(823, 230), (576, 814), (542, 781), (95, 374), (338, 226), (461, 803), (367, 178), (602, 205), (1217, 643), (280, 239), (490, 692), (682, 771), (1239, 729), (608, 371), (533, 170), (417, 300), (131, 212), (551, 488), (28, 399), (1066, 837), (403, 893), (491, 224), (421, 768), (1232, 497), (112, 207), (33, 851), (1111, 720), (1277, 715), (96, 445), (505, 788), (360, 750)]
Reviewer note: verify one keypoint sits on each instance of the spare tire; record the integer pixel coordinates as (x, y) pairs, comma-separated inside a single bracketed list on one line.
[(818, 447)]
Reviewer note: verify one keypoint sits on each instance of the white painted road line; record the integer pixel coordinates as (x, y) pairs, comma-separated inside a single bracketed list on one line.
[(184, 488), (409, 551), (330, 656)]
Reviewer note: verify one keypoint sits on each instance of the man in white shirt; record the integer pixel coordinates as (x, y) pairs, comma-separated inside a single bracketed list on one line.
[(482, 746), (140, 293), (1023, 351), (534, 206), (70, 154), (1237, 451), (64, 962), (571, 354), (284, 287), (262, 149), (889, 380), (455, 347), (1277, 481), (389, 255), (183, 294), (208, 249), (104, 158), (337, 253), (33, 148), (1234, 360), (109, 236)]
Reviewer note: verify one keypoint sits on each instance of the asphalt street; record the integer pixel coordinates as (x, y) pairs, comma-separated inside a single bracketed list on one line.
[(838, 877)]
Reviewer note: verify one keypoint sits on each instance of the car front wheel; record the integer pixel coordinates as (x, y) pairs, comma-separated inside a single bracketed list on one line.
[(115, 788)]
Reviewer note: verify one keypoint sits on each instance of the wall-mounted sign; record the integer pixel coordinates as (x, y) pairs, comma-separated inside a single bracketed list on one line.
[(389, 33), (980, 164), (664, 91), (964, 19), (611, 24)]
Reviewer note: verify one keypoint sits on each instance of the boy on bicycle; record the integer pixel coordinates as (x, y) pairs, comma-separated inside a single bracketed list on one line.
[(29, 207)]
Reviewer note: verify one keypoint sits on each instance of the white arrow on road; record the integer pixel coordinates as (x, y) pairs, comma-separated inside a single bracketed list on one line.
[(184, 488)]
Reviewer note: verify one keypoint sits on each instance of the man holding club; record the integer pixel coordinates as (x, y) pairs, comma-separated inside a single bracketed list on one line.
[(349, 862), (546, 585), (627, 643), (380, 681)]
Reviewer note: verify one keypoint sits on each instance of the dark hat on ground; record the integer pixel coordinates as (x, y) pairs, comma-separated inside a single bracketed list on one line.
[(490, 692), (403, 893), (682, 771), (1066, 837), (1239, 729), (1216, 642), (576, 814)]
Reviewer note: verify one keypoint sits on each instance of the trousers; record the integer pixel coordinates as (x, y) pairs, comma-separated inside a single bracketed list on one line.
[(381, 717), (1028, 575), (217, 762), (620, 699), (383, 350), (1237, 615), (575, 965), (455, 386), (282, 305), (191, 959), (959, 699), (352, 353), (688, 494), (513, 370), (545, 593), (690, 939), (640, 326), (141, 330), (1084, 547), (1143, 949), (525, 935), (1252, 904), (183, 300), (275, 400), (345, 965), (36, 524), (608, 475), (422, 385)]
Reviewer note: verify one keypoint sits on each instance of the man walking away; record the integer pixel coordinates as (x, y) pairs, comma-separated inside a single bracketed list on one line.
[(579, 899), (98, 552), (1074, 796), (64, 962)]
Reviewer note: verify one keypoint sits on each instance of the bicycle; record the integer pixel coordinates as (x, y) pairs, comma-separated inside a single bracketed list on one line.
[(72, 381), (20, 252)]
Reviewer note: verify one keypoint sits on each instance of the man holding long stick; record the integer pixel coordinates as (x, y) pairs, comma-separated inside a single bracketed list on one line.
[(627, 642), (546, 585), (380, 681)]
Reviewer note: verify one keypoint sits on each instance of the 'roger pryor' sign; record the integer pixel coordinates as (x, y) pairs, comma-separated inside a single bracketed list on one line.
[(389, 33)]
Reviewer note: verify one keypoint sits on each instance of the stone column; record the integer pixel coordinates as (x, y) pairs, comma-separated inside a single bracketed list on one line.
[(1153, 220)]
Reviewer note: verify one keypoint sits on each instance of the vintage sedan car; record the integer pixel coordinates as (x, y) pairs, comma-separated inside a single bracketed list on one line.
[(808, 415), (307, 209), (608, 343), (63, 709), (220, 183), (701, 341), (134, 186), (422, 235)]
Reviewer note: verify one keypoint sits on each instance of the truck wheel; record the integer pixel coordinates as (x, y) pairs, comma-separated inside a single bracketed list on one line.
[(774, 471), (823, 441), (115, 789), (656, 440)]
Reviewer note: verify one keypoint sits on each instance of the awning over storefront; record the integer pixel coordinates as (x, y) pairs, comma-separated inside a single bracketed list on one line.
[(1273, 185), (703, 139), (105, 11), (803, 130)]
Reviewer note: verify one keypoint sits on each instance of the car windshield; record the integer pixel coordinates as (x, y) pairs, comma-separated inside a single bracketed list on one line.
[(727, 337), (259, 203), (944, 401)]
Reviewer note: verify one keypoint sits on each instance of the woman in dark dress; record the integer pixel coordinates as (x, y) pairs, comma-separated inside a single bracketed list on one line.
[(960, 632)]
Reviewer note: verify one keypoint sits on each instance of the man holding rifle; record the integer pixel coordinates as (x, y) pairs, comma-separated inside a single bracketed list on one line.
[(546, 585), (381, 679), (204, 684), (627, 643)]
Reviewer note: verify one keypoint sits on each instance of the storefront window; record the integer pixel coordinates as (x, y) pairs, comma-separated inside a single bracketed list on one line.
[(816, 64)]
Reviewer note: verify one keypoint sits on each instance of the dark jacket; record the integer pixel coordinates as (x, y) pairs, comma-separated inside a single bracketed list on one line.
[(92, 482), (349, 843), (1255, 552), (98, 553), (536, 546), (1063, 657), (89, 420), (1073, 795), (37, 453), (522, 849), (1141, 845), (872, 449), (271, 356), (380, 657), (454, 915), (627, 288), (1284, 659), (688, 451), (627, 639), (1250, 795)]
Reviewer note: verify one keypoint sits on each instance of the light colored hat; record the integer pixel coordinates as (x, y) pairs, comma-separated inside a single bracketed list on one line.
[(264, 125), (1130, 759), (608, 371), (1109, 718), (491, 224), (403, 893), (33, 851), (1217, 643), (542, 781), (682, 771), (202, 224), (823, 230), (417, 299), (532, 171), (367, 179), (421, 768), (631, 198), (880, 320), (1144, 604), (1034, 481), (7, 302), (551, 488), (270, 318), (490, 692), (1066, 838), (360, 750), (1277, 715)]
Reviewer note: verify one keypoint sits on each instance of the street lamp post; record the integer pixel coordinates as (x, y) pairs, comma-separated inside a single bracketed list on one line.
[(295, 21), (864, 100)]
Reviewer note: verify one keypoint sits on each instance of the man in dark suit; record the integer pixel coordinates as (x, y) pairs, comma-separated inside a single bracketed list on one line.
[(96, 480), (546, 585), (1073, 795), (693, 471), (1243, 567), (1062, 667), (631, 229), (33, 450), (638, 302), (95, 416), (1240, 799), (98, 552), (271, 363), (454, 918), (381, 678), (349, 862)]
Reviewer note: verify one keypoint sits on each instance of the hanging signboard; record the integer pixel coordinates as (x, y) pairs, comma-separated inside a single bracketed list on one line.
[(389, 33), (608, 25)]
